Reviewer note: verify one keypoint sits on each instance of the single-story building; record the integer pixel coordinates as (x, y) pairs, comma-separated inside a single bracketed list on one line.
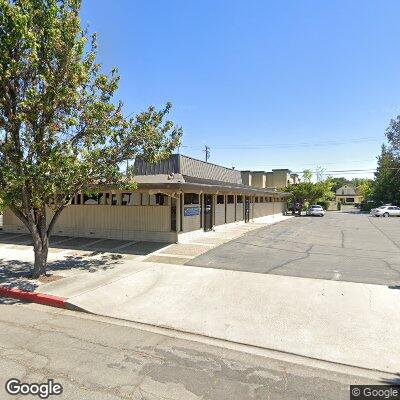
[(348, 194), (174, 196)]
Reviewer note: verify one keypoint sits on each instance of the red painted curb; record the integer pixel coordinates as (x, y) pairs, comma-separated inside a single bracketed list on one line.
[(34, 297)]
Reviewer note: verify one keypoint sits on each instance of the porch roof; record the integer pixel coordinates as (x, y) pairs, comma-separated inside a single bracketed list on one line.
[(178, 182)]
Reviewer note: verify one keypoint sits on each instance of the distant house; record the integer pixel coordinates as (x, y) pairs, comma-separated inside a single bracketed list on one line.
[(348, 194)]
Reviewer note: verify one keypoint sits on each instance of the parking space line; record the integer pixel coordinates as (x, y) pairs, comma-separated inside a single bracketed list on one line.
[(200, 244), (172, 255), (63, 241), (17, 235), (122, 246), (91, 244)]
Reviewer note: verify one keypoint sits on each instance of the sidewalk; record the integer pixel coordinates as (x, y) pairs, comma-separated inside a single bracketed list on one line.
[(348, 323)]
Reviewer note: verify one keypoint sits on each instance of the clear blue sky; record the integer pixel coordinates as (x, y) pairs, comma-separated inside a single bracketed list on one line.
[(260, 73)]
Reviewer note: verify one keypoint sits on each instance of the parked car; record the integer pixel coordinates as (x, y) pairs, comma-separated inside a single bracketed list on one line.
[(386, 211), (316, 210)]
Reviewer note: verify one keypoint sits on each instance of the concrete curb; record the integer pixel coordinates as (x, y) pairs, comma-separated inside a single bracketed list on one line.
[(33, 297)]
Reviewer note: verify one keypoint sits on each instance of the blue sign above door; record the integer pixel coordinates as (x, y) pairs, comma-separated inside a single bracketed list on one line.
[(191, 211)]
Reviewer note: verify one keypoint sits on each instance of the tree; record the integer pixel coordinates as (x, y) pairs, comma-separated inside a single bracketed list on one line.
[(364, 187), (386, 188), (338, 183), (393, 136), (311, 193), (60, 131)]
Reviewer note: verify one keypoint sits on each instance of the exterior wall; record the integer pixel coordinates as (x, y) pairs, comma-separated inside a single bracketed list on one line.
[(277, 178), (270, 208), (230, 213), (240, 211), (247, 178), (192, 222), (219, 214), (259, 179), (146, 223), (269, 176), (357, 199), (280, 179)]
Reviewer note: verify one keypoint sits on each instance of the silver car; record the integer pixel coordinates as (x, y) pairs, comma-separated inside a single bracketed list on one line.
[(316, 210), (386, 211)]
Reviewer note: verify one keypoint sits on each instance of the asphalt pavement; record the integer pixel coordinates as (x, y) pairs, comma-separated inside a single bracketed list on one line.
[(100, 360), (343, 246)]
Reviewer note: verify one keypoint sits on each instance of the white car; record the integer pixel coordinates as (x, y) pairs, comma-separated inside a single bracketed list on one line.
[(386, 211), (316, 210)]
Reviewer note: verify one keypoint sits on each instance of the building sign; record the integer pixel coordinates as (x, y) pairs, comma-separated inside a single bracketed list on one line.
[(191, 211)]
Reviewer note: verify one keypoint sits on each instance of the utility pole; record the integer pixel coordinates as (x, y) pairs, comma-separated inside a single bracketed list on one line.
[(207, 152)]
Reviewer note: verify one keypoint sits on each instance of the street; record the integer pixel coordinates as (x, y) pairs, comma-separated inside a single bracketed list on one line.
[(97, 359), (341, 246)]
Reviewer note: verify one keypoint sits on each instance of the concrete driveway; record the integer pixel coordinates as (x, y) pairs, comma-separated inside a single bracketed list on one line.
[(343, 246)]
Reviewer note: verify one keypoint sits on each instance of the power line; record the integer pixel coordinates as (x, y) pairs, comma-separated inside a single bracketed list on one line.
[(315, 163), (288, 145)]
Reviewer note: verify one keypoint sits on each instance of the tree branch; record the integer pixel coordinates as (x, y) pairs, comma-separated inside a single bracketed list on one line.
[(19, 214), (54, 220)]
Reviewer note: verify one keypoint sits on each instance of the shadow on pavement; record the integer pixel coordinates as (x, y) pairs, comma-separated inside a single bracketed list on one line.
[(84, 243), (394, 381), (15, 273), (9, 302)]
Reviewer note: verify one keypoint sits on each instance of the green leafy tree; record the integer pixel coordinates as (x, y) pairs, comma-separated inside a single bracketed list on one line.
[(364, 187), (311, 193), (386, 187), (338, 182), (60, 130)]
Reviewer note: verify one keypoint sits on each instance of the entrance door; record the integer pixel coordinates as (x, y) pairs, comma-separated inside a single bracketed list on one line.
[(246, 209), (173, 214), (208, 211)]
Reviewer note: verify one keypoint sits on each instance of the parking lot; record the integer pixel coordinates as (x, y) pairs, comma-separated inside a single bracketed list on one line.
[(68, 256), (342, 246)]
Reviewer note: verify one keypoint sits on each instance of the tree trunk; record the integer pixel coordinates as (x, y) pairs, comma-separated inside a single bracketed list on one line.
[(41, 250), (40, 234)]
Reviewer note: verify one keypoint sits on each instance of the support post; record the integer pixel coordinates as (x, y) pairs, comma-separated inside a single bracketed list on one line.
[(178, 214)]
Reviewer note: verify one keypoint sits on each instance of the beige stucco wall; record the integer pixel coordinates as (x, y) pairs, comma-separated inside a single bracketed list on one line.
[(263, 209), (219, 214), (258, 179), (239, 212), (230, 213), (147, 223), (247, 178)]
